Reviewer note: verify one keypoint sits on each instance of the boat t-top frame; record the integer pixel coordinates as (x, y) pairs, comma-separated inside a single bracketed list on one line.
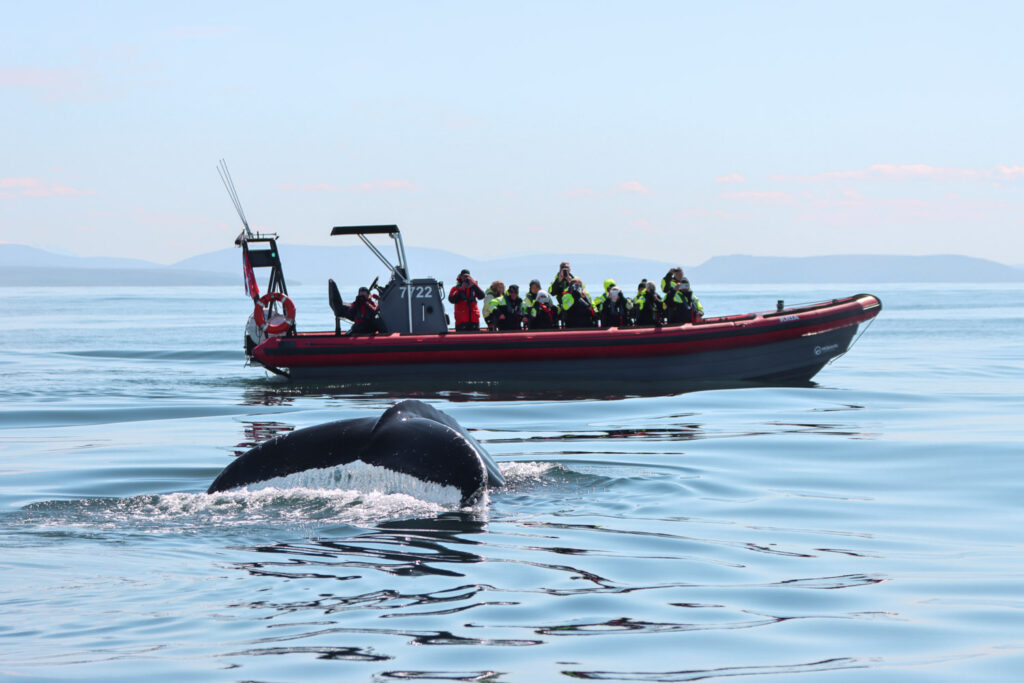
[(424, 312)]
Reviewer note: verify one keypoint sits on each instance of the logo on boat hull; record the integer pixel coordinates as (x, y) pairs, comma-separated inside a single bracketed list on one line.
[(818, 350)]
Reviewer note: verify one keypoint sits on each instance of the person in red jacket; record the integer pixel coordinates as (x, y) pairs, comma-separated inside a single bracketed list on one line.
[(464, 295)]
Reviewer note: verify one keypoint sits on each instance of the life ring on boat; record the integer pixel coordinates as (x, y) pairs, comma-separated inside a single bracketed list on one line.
[(289, 313)]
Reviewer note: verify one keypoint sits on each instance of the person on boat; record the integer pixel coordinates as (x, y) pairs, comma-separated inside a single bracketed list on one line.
[(682, 305), (672, 278), (494, 292), (464, 295), (362, 312), (577, 308), (543, 314), (650, 307), (599, 299), (507, 311), (634, 303), (564, 278), (530, 299), (614, 309)]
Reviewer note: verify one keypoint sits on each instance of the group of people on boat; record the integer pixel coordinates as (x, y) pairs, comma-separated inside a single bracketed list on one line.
[(566, 304)]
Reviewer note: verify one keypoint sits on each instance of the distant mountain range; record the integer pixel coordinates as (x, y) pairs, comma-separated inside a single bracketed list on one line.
[(353, 265)]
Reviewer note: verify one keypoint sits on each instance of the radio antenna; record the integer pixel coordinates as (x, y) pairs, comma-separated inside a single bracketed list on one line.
[(229, 185)]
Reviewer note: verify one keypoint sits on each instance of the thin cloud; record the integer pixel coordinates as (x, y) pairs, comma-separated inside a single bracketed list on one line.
[(1010, 171), (908, 172), (385, 186), (632, 186), (37, 187), (731, 178), (760, 196)]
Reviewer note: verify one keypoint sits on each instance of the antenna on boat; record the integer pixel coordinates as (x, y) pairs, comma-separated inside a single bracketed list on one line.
[(229, 185)]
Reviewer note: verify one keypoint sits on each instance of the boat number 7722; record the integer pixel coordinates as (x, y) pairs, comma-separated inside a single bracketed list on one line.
[(418, 291)]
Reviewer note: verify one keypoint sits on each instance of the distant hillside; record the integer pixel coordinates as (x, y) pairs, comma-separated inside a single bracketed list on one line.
[(350, 266), (355, 265), (155, 276), (23, 266), (33, 257), (853, 268)]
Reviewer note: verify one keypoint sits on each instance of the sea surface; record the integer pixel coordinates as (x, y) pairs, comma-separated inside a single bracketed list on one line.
[(868, 526)]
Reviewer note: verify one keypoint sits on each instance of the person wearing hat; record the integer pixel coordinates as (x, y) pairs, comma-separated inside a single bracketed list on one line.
[(362, 312), (682, 306), (560, 285), (649, 306), (492, 294), (543, 314), (577, 308), (507, 311), (464, 295), (614, 309), (672, 278), (530, 300)]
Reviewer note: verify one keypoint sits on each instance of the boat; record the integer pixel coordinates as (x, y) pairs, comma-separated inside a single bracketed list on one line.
[(416, 346), (787, 344)]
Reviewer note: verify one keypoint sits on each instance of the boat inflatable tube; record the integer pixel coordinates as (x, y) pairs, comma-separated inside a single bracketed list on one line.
[(410, 438), (281, 326)]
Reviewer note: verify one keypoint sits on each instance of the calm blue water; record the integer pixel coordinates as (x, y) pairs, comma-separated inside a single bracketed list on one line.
[(865, 528)]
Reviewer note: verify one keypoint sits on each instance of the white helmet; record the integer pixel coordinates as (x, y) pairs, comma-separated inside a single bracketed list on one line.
[(543, 297)]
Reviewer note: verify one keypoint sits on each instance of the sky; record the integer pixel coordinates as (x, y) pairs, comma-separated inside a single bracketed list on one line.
[(678, 130)]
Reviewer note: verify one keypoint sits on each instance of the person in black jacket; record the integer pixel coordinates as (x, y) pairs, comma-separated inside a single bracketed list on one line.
[(543, 314), (507, 311), (362, 312), (615, 309)]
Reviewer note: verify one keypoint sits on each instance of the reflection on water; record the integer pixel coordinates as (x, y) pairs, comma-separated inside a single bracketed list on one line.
[(258, 431), (278, 391)]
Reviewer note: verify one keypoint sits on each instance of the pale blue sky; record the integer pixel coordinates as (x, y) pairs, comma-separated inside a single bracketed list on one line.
[(676, 130)]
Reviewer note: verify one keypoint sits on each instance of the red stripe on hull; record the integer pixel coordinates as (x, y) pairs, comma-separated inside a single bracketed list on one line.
[(325, 350)]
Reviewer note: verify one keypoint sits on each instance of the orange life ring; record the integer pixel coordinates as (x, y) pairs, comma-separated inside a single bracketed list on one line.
[(289, 313)]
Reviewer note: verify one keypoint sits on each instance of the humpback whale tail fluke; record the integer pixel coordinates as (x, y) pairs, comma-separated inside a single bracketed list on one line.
[(410, 437)]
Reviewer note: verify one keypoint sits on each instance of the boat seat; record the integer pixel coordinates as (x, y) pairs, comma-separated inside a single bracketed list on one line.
[(337, 305)]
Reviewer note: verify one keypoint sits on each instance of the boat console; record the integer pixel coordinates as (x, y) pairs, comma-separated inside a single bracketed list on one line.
[(407, 306)]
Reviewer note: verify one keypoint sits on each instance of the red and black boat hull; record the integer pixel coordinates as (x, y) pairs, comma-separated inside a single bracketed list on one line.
[(788, 345)]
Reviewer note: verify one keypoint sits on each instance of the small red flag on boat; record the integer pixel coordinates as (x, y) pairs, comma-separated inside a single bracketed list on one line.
[(251, 288)]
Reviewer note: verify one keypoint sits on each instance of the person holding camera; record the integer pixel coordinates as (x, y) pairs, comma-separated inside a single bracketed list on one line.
[(560, 285), (614, 309), (682, 305), (649, 307), (464, 296), (577, 309), (543, 314)]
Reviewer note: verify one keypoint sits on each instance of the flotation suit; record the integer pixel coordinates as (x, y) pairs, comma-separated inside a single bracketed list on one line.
[(464, 296), (560, 286), (506, 314), (649, 309), (615, 313), (683, 309), (600, 298), (363, 314), (577, 309), (543, 317)]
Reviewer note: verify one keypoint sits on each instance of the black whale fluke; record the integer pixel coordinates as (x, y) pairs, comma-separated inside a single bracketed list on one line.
[(410, 437)]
